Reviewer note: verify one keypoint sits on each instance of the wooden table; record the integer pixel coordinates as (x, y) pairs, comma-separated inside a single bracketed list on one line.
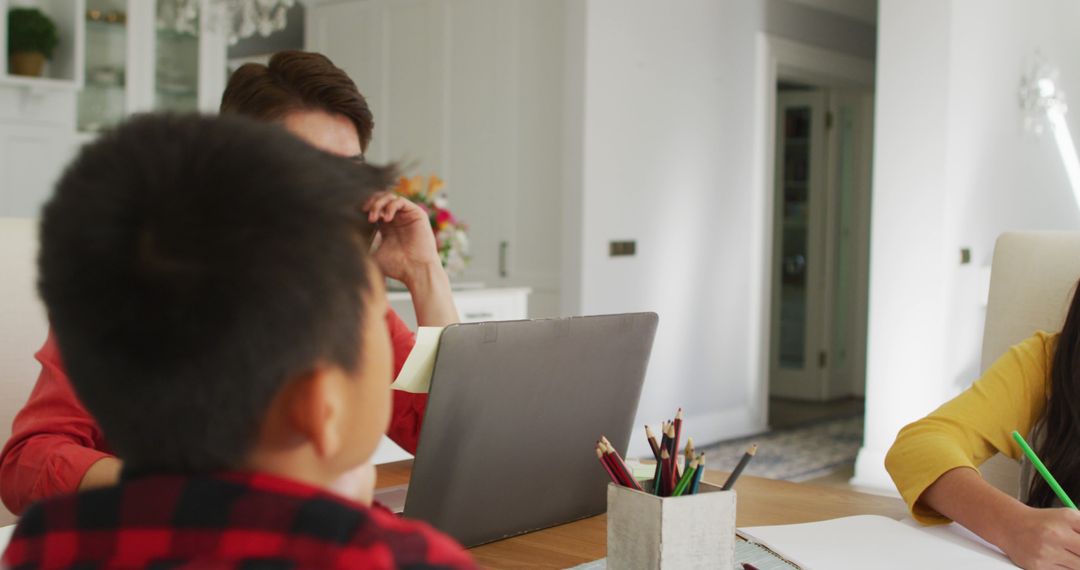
[(760, 502)]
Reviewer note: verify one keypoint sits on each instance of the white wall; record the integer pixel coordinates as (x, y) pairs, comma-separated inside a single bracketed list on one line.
[(667, 133), (953, 168), (470, 90)]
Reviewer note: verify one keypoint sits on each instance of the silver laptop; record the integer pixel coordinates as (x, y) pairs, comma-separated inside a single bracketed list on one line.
[(512, 420)]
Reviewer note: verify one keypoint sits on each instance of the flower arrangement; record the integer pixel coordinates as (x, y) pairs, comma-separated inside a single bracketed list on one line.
[(450, 232)]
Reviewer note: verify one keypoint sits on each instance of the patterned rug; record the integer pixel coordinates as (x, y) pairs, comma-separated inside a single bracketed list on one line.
[(795, 454)]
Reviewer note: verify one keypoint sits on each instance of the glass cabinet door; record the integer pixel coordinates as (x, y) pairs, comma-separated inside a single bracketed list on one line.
[(176, 69), (103, 100)]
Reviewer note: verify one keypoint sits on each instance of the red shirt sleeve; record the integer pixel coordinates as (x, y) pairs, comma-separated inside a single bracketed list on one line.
[(408, 407), (53, 439)]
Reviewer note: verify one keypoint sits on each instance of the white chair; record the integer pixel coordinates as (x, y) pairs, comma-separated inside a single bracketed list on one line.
[(1032, 279), (23, 324)]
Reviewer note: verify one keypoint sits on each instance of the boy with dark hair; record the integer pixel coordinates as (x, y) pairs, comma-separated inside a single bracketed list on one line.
[(208, 283), (56, 447)]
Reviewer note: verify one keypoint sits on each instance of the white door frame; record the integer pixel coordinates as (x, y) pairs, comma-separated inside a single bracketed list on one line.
[(779, 57)]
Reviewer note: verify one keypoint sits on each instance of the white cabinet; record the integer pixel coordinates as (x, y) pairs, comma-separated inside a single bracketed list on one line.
[(470, 90), (113, 60), (31, 159), (137, 61), (473, 305)]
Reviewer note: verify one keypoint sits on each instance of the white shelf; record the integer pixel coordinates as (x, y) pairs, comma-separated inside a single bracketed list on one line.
[(65, 69), (34, 83)]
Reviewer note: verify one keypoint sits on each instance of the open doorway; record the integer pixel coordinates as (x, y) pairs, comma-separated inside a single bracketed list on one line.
[(820, 249)]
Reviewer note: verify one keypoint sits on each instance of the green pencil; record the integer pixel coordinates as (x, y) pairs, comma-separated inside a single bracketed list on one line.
[(1038, 464), (688, 476)]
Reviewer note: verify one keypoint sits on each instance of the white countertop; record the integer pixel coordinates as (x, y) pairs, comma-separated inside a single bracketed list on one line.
[(404, 295)]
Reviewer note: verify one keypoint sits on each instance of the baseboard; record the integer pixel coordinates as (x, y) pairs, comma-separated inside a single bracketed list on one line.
[(870, 471)]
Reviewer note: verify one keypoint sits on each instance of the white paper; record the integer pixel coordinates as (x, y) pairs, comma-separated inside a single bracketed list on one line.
[(954, 533), (415, 375), (5, 536), (871, 541)]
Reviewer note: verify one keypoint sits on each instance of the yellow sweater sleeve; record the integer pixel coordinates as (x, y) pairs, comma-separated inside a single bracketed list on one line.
[(974, 426)]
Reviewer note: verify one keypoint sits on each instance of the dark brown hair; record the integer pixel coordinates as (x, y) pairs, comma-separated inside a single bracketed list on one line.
[(1060, 426), (191, 266), (293, 81)]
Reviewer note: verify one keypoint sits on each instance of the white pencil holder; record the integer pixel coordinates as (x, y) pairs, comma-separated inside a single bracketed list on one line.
[(650, 532)]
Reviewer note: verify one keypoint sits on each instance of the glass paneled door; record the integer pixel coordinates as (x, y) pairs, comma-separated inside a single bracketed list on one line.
[(798, 282)]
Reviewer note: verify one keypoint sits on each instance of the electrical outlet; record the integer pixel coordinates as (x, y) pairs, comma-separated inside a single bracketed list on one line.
[(622, 248)]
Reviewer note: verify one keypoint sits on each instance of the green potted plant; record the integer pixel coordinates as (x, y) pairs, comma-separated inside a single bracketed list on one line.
[(32, 37)]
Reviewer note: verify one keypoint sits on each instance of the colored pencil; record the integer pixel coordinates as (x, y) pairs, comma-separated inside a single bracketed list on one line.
[(673, 450), (750, 452), (665, 443), (607, 467), (697, 475), (658, 476), (748, 566), (688, 453), (620, 466), (665, 483), (652, 442), (626, 479), (678, 429), (1038, 464), (687, 477)]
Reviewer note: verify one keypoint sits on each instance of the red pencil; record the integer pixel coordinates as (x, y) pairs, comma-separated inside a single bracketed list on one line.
[(620, 466), (673, 469), (666, 483), (678, 430), (607, 467), (609, 462)]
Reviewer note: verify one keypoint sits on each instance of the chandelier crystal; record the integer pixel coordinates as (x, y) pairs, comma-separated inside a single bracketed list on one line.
[(1041, 96), (239, 19)]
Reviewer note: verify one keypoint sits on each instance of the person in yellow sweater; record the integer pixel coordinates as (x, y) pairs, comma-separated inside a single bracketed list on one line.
[(1034, 388)]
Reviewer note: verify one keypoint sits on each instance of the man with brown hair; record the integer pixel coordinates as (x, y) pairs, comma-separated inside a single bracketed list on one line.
[(56, 447)]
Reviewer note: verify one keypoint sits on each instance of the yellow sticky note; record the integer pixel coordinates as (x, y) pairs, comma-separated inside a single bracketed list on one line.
[(415, 375)]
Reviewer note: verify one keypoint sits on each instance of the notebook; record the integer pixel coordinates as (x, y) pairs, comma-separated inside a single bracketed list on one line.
[(870, 541)]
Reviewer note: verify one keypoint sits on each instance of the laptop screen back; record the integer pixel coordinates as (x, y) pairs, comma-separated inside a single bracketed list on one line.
[(514, 412)]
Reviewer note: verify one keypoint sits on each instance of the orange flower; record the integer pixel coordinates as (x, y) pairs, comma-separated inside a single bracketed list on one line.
[(403, 187), (434, 185)]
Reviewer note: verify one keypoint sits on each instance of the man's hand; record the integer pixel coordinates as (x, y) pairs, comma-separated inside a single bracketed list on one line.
[(405, 250), (405, 244)]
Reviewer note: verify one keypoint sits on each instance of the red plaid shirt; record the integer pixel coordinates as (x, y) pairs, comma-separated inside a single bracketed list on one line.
[(233, 520)]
